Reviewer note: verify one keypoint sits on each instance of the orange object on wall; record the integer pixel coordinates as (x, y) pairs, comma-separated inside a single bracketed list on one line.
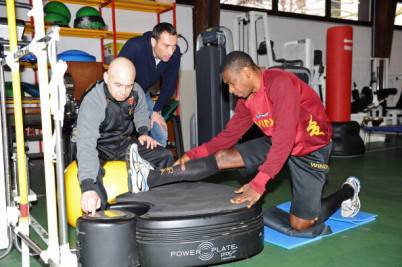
[(339, 73)]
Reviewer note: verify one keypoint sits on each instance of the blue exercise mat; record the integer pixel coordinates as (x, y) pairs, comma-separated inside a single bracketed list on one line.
[(337, 223)]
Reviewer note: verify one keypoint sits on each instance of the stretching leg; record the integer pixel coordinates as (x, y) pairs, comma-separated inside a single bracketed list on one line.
[(198, 169)]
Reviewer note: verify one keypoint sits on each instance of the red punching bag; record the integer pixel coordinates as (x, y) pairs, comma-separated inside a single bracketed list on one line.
[(339, 73)]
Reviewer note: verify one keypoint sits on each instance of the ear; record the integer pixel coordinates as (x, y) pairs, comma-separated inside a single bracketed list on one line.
[(106, 77), (153, 42), (247, 71)]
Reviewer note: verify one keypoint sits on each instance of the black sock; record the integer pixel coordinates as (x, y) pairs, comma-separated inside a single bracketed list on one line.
[(195, 170), (331, 203)]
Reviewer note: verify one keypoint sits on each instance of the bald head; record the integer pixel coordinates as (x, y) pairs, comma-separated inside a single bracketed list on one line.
[(122, 67), (120, 78)]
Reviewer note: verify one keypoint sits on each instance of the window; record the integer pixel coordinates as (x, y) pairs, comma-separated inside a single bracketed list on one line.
[(398, 14), (309, 7), (264, 4), (351, 9), (357, 10)]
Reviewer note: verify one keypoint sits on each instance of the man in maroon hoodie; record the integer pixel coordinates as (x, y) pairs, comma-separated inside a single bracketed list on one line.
[(297, 132)]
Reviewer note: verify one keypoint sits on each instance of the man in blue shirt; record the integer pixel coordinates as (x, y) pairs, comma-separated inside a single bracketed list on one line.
[(156, 57)]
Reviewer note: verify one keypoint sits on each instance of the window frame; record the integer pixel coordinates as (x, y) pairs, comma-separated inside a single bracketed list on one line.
[(275, 12)]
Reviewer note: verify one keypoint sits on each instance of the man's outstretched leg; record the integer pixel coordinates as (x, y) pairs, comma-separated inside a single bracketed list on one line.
[(143, 176)]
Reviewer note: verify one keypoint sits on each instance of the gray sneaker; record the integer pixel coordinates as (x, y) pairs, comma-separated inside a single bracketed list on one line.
[(351, 206), (138, 171)]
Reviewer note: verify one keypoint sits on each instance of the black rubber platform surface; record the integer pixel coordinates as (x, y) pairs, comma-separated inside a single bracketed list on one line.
[(185, 199)]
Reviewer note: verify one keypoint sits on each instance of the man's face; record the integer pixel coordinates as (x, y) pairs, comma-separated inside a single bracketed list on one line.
[(119, 86), (238, 81), (165, 46)]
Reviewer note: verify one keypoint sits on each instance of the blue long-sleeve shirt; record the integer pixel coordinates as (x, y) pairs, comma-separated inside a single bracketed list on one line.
[(139, 51)]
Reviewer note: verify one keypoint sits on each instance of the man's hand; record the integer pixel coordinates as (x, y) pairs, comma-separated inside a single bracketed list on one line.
[(158, 119), (246, 194), (182, 161), (90, 202), (146, 139)]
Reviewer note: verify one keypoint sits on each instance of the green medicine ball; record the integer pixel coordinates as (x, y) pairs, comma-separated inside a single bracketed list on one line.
[(87, 11), (56, 19), (55, 7), (90, 22)]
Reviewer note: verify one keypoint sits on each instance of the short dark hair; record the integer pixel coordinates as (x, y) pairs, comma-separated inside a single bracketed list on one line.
[(163, 27), (236, 61)]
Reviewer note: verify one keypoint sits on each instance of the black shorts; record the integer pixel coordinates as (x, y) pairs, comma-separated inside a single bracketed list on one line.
[(308, 174)]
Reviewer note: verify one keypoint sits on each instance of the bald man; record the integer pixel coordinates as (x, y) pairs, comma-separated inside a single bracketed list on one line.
[(113, 115)]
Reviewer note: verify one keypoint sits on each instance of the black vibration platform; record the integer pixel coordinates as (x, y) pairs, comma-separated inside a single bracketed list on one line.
[(191, 224)]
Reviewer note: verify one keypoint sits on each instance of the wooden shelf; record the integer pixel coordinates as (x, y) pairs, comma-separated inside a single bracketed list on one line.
[(124, 35), (136, 5), (35, 66), (88, 33)]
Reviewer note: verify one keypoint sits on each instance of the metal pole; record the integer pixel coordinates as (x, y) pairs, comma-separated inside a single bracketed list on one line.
[(6, 144), (63, 230), (53, 248), (19, 132), (57, 102), (35, 248), (5, 232)]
